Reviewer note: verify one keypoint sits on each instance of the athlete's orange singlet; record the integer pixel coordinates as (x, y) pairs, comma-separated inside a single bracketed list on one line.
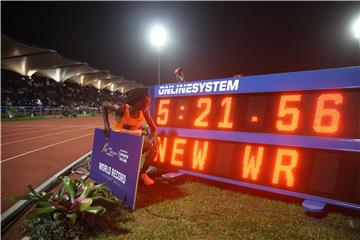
[(129, 124)]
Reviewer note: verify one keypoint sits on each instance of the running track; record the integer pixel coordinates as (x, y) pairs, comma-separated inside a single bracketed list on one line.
[(33, 151)]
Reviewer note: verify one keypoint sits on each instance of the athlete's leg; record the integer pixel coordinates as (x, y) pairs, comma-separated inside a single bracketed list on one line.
[(150, 151)]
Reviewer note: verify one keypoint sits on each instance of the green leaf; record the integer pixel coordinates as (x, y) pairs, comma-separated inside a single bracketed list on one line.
[(102, 184), (33, 191), (95, 209), (68, 187), (61, 192), (106, 199), (72, 217), (87, 189), (46, 197), (84, 204), (21, 197), (103, 189), (36, 212), (44, 204), (81, 182)]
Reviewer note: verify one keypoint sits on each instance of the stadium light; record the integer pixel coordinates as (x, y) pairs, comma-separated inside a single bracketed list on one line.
[(356, 28), (158, 37)]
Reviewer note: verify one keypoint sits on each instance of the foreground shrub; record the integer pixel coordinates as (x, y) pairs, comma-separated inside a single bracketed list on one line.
[(62, 215), (74, 197), (45, 228), (86, 226)]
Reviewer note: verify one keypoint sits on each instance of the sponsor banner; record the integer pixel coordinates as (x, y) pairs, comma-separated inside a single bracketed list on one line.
[(279, 82), (117, 158), (198, 88)]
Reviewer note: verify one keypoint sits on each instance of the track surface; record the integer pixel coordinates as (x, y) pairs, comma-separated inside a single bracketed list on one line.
[(33, 151)]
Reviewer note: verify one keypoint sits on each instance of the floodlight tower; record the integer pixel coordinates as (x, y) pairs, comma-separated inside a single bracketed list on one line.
[(158, 37), (356, 28)]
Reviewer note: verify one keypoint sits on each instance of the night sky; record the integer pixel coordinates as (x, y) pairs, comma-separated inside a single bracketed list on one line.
[(208, 39)]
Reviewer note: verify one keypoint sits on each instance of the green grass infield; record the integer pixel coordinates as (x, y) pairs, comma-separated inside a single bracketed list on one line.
[(191, 208)]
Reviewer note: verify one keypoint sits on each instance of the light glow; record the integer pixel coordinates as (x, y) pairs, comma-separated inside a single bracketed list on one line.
[(332, 114), (226, 123), (356, 28), (292, 111), (287, 169), (251, 164), (177, 150), (199, 155), (162, 148), (158, 36), (199, 122), (163, 112), (31, 72)]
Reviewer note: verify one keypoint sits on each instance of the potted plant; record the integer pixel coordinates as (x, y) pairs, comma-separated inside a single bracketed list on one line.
[(55, 214)]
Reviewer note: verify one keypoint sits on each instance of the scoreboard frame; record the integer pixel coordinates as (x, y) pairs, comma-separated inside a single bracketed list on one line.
[(318, 80)]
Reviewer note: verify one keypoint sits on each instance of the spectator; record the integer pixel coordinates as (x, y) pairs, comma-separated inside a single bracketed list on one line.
[(179, 74), (39, 91)]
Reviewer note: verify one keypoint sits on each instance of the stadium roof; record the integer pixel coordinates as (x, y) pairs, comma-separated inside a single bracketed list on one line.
[(27, 61)]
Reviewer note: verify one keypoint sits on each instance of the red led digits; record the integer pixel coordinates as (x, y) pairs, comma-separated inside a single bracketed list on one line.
[(322, 113), (163, 112), (199, 155), (181, 117), (199, 121), (286, 169), (252, 163), (292, 111), (254, 119), (177, 150), (162, 148), (226, 123)]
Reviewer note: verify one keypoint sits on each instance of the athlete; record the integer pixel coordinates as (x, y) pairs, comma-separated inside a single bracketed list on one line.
[(130, 116)]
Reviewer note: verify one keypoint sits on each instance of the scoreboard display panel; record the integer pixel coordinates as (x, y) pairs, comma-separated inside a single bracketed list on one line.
[(315, 113), (293, 133)]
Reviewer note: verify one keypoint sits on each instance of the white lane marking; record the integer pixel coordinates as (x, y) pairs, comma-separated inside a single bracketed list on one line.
[(3, 126), (26, 139), (39, 149), (27, 125), (12, 127), (34, 131), (17, 129)]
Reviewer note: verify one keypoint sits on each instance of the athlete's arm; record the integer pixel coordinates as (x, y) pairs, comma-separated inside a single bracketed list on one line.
[(107, 107), (153, 129), (150, 122)]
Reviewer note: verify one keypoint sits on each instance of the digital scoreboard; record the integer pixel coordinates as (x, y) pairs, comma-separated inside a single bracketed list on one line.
[(296, 133)]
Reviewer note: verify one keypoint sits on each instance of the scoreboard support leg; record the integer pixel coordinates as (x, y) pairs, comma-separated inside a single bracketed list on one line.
[(313, 206)]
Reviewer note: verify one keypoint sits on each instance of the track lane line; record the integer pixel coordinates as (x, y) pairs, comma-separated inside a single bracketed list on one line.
[(19, 127), (4, 126), (15, 134), (39, 149), (26, 139)]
